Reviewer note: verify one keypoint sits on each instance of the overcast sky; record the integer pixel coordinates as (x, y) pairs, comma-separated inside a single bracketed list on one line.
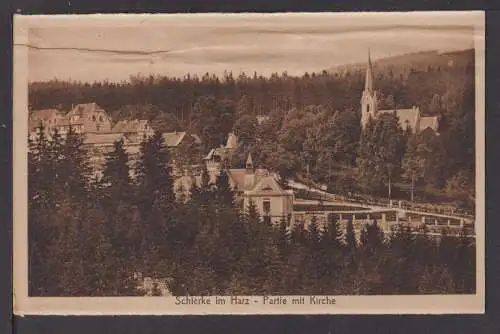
[(100, 50)]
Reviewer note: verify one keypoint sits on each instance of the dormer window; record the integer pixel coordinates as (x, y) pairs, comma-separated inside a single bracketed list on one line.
[(100, 119)]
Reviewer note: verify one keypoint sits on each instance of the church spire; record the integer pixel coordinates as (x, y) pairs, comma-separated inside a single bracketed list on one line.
[(369, 75)]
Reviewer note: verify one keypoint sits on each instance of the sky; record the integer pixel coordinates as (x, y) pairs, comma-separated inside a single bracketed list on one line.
[(107, 48)]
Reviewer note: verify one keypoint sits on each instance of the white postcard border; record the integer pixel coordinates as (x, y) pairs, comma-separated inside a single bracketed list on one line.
[(423, 304)]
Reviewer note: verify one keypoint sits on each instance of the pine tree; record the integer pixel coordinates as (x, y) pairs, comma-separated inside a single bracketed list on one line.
[(120, 230), (224, 194), (39, 209), (156, 202), (282, 237), (75, 170), (372, 238), (313, 234), (350, 237), (332, 236), (116, 173), (398, 273)]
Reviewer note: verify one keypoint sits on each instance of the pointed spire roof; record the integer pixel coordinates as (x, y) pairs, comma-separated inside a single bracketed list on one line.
[(369, 75), (249, 163)]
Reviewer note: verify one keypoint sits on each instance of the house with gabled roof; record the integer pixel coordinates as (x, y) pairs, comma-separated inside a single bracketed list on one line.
[(89, 118), (251, 185), (176, 138), (100, 134)]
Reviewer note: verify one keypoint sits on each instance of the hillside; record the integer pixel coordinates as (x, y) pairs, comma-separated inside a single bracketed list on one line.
[(420, 61)]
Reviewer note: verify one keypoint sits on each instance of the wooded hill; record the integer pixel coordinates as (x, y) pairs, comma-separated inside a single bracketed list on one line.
[(314, 119), (420, 61)]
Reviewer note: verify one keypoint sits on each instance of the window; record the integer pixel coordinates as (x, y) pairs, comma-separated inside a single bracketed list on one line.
[(100, 119), (93, 118), (266, 207), (368, 108)]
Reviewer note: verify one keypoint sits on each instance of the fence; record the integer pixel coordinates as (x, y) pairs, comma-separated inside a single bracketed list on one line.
[(405, 205), (387, 221)]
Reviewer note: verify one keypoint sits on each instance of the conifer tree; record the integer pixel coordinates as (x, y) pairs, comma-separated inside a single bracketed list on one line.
[(39, 208), (282, 237), (121, 230), (398, 274), (156, 201), (372, 238), (332, 236), (75, 169), (350, 236), (313, 234), (116, 173), (223, 192)]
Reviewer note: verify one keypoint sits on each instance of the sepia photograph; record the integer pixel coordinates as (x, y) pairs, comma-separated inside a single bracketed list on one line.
[(288, 162)]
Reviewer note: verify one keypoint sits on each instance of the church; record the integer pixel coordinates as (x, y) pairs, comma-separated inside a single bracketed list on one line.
[(408, 118)]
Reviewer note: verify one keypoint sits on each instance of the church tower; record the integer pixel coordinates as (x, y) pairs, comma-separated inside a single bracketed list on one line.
[(369, 96)]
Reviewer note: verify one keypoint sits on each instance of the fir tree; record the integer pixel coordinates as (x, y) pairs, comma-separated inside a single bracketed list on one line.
[(350, 236), (156, 202), (372, 238), (332, 235), (224, 194), (116, 173)]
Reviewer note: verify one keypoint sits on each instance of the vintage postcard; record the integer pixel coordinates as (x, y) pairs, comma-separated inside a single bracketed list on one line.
[(298, 163)]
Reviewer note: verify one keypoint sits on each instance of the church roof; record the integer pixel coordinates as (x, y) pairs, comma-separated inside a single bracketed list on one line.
[(428, 122), (406, 117)]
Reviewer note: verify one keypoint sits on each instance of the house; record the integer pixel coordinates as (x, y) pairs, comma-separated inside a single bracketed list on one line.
[(83, 118), (256, 185), (135, 130), (176, 139), (217, 156), (49, 119), (261, 188), (89, 118), (99, 133), (408, 118)]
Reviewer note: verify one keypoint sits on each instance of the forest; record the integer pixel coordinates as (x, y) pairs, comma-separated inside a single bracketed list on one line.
[(90, 237), (313, 130)]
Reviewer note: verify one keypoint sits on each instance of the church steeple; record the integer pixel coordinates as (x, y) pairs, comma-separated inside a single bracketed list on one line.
[(369, 75), (369, 96)]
